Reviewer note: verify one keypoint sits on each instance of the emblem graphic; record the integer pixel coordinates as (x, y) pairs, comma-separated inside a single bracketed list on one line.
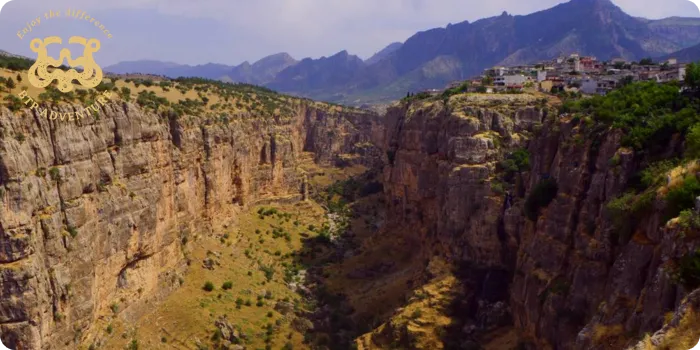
[(40, 77)]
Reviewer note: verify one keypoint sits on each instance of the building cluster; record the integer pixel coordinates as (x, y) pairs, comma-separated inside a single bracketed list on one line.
[(575, 73)]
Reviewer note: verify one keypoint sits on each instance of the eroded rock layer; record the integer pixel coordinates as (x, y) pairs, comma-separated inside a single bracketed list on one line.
[(95, 214)]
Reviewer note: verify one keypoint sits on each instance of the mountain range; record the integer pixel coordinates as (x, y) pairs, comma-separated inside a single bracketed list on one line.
[(436, 57)]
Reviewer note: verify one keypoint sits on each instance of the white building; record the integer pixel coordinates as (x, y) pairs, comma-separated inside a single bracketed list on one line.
[(541, 75), (577, 64), (589, 86), (510, 80)]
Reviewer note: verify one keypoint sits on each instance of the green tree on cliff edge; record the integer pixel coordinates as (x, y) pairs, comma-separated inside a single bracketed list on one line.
[(692, 76)]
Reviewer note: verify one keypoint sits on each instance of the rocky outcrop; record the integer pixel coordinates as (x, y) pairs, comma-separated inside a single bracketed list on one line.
[(570, 278), (96, 215)]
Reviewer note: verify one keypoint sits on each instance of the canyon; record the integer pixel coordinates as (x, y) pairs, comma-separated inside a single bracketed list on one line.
[(491, 228)]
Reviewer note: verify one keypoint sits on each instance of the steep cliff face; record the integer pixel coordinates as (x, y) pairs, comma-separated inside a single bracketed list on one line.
[(582, 281), (569, 275), (95, 215), (441, 188)]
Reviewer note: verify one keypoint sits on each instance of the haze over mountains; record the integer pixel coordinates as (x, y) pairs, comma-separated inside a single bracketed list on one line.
[(436, 57)]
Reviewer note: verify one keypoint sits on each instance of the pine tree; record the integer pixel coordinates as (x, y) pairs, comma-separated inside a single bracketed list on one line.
[(19, 78), (10, 84)]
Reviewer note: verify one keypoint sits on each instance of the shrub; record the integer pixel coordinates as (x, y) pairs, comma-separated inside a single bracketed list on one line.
[(391, 155), (269, 272), (655, 174), (689, 270), (497, 188), (13, 103), (540, 197), (683, 196), (208, 286), (693, 142), (125, 93), (19, 136), (227, 285), (516, 162), (72, 231), (55, 174), (625, 211), (688, 219)]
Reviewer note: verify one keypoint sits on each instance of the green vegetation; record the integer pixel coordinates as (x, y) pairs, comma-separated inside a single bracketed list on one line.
[(416, 97), (464, 87), (227, 285), (692, 76), (55, 174), (19, 136), (683, 196), (15, 63), (125, 94), (688, 273), (689, 219), (133, 345), (515, 163), (625, 211), (693, 142), (649, 113), (655, 174), (72, 231), (208, 286), (10, 84), (540, 197), (13, 103)]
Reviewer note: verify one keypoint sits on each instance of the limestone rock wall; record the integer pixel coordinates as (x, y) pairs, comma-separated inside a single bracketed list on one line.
[(98, 213), (568, 281), (439, 179), (578, 283)]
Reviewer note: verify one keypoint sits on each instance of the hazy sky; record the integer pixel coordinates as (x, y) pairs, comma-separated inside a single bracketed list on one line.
[(233, 31)]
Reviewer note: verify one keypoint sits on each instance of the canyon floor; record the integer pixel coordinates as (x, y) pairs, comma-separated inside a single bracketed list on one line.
[(278, 278)]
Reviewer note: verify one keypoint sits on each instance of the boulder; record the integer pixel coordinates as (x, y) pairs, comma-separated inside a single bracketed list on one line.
[(228, 331)]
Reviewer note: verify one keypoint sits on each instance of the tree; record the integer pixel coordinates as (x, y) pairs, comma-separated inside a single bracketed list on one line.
[(693, 142), (646, 61), (692, 76), (19, 77), (10, 84), (626, 81)]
